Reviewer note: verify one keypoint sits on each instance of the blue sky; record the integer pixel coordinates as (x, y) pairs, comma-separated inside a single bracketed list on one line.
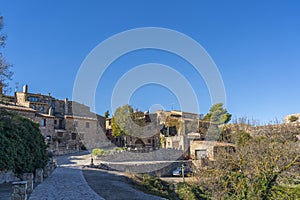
[(255, 45)]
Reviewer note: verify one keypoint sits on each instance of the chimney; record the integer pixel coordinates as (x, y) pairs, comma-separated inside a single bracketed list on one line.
[(50, 112), (66, 106), (25, 89)]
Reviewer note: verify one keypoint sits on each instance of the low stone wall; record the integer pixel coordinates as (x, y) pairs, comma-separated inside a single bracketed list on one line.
[(29, 178), (19, 190), (155, 169), (8, 177), (157, 155), (61, 152)]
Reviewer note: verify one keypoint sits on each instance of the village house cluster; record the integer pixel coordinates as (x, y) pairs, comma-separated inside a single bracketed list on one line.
[(65, 131)]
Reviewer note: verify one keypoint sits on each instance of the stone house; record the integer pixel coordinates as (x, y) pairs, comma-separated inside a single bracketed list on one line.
[(201, 149), (176, 137)]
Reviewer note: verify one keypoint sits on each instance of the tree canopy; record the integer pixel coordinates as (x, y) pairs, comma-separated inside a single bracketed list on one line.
[(5, 72), (127, 121), (22, 147), (217, 114), (106, 114)]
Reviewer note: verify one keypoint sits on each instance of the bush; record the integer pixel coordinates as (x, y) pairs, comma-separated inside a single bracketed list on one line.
[(190, 192), (293, 118), (154, 186), (119, 149), (100, 152), (22, 147)]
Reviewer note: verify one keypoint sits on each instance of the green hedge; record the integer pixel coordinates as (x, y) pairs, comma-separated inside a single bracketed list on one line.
[(22, 147)]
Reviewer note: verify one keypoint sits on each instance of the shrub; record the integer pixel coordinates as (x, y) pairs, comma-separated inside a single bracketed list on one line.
[(22, 147), (119, 149), (293, 118), (190, 192), (155, 186), (100, 152)]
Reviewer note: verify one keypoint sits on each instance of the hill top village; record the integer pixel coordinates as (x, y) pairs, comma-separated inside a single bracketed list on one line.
[(166, 139), (67, 132)]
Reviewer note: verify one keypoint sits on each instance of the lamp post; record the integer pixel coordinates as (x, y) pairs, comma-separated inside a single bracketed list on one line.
[(92, 161), (182, 172)]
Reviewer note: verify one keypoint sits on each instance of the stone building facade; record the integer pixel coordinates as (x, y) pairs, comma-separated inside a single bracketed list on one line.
[(200, 149), (67, 126)]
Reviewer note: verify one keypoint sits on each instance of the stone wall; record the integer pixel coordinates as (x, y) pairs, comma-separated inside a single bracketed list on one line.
[(8, 176), (155, 169), (158, 155)]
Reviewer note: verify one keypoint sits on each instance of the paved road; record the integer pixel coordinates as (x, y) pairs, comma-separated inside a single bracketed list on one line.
[(113, 185), (66, 182)]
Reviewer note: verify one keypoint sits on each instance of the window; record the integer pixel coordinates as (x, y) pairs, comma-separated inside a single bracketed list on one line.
[(55, 121), (76, 123), (73, 136), (33, 99), (87, 124), (43, 124), (200, 154), (60, 134)]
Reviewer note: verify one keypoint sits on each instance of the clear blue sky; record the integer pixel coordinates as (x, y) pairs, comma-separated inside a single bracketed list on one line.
[(255, 44)]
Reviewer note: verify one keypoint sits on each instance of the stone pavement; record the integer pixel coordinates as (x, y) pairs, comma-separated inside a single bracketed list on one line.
[(113, 185), (66, 182)]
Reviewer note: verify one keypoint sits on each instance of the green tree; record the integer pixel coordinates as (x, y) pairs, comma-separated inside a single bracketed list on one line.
[(5, 72), (127, 122), (217, 114), (107, 114), (22, 147)]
